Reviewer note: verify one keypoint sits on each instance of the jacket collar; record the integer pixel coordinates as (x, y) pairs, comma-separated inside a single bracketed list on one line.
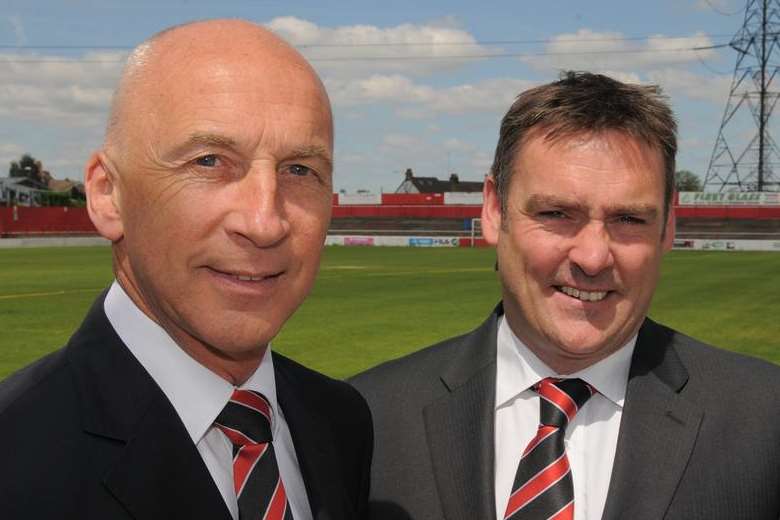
[(314, 444), (460, 426), (658, 429), (155, 469)]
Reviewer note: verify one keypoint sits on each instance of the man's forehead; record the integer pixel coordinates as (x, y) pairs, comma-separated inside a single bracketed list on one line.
[(608, 140), (237, 99), (213, 57), (606, 150)]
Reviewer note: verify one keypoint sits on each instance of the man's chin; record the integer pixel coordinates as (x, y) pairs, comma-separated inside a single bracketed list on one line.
[(240, 346), (585, 344)]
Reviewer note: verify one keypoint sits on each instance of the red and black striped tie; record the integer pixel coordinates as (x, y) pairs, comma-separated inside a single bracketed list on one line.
[(543, 487), (246, 420)]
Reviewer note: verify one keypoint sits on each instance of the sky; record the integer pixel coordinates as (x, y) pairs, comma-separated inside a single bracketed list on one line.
[(414, 84)]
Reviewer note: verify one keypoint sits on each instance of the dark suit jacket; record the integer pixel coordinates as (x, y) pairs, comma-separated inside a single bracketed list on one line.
[(85, 433), (699, 436)]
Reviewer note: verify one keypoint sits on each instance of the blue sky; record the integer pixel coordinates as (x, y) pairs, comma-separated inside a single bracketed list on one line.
[(412, 83)]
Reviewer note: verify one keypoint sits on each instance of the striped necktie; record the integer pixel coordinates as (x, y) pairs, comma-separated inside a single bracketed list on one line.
[(246, 421), (543, 487)]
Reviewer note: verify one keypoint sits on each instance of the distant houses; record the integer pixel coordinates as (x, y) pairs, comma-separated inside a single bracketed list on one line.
[(25, 191), (30, 184), (412, 184)]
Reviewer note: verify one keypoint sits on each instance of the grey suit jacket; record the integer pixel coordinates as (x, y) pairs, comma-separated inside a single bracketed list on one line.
[(86, 433), (699, 436)]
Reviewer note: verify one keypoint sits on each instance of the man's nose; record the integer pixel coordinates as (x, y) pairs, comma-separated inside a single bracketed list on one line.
[(259, 211), (592, 249)]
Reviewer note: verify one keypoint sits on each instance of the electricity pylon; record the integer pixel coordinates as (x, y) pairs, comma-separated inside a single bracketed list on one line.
[(735, 166)]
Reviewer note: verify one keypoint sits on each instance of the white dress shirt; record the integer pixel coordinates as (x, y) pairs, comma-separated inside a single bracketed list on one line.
[(591, 438), (198, 395)]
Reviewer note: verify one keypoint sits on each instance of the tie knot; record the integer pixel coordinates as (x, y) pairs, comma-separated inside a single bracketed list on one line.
[(561, 399), (246, 418)]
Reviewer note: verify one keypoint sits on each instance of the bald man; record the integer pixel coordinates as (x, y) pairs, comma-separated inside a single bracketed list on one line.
[(214, 187)]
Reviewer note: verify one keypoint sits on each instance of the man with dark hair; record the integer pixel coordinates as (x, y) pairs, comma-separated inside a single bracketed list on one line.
[(568, 402), (214, 187)]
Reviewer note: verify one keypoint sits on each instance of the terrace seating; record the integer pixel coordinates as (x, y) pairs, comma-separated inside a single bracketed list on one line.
[(715, 228)]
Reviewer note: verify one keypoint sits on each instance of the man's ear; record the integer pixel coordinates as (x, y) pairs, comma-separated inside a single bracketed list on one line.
[(491, 211), (102, 190)]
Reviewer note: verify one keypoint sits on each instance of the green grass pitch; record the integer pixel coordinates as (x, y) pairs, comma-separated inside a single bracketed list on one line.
[(374, 304)]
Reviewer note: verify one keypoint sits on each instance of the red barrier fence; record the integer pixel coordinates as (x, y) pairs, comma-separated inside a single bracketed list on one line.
[(25, 220), (407, 211), (728, 212), (22, 220), (412, 199)]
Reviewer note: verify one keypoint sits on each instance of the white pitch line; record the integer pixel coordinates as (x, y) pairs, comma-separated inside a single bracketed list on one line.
[(51, 293)]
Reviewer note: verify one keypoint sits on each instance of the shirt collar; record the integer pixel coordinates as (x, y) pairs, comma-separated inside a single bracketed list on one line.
[(518, 369), (197, 394)]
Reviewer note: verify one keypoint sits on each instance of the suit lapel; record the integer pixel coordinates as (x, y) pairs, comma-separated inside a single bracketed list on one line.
[(459, 428), (313, 441), (160, 473), (657, 431), (155, 469)]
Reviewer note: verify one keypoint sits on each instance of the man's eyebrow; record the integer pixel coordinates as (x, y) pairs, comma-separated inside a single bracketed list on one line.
[(536, 202), (200, 139), (646, 210)]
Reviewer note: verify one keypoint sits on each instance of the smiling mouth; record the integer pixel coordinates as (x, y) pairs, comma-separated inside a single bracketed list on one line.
[(241, 277), (586, 296), (244, 278)]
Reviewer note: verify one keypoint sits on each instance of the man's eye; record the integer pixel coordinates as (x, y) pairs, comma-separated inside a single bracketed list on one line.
[(209, 161), (552, 214), (299, 170), (630, 219)]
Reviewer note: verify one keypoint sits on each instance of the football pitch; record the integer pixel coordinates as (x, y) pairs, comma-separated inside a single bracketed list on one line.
[(374, 304)]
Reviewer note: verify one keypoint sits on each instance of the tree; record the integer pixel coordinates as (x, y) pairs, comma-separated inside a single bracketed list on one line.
[(15, 170), (27, 166), (685, 180)]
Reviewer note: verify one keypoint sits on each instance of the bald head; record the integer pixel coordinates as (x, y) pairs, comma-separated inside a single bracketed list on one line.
[(156, 69)]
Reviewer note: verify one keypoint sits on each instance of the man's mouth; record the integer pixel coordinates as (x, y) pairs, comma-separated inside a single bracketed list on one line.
[(250, 278), (586, 296), (247, 277)]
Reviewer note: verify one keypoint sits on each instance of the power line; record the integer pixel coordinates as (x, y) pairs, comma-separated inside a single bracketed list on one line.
[(509, 42), (719, 11), (522, 54), (394, 44), (423, 58), (711, 69)]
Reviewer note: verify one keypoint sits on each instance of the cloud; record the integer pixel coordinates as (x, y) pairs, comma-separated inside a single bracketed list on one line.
[(478, 160), (354, 50), (349, 158), (73, 91), (430, 157), (691, 85), (600, 51), (658, 59), (18, 27), (9, 152), (417, 100)]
